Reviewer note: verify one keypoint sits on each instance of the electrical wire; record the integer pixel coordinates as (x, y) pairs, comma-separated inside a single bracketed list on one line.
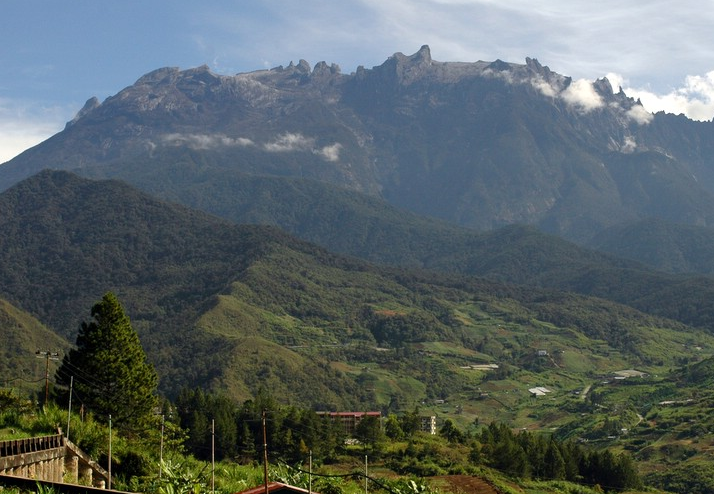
[(7, 381)]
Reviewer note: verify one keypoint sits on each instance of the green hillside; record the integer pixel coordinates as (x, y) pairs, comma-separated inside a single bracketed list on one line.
[(22, 336)]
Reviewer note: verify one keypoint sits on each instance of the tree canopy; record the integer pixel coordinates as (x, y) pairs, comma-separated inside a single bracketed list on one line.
[(109, 367)]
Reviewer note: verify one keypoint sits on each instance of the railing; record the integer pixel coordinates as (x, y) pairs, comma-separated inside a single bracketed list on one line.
[(14, 447)]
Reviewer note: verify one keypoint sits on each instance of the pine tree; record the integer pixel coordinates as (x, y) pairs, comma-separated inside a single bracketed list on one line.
[(554, 462), (111, 374)]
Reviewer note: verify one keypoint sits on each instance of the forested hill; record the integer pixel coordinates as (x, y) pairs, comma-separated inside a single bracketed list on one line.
[(239, 307), (67, 240)]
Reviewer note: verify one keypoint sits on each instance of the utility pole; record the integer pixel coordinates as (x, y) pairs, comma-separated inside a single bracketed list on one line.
[(47, 355), (366, 474), (213, 456), (109, 480), (265, 455), (69, 411), (161, 447)]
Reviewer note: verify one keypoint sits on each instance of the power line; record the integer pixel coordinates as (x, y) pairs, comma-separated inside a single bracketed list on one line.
[(8, 381), (82, 376)]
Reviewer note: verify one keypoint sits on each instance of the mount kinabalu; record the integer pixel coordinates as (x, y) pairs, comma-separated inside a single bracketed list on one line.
[(478, 144)]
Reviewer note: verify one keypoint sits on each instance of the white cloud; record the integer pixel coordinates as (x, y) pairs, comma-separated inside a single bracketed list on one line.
[(204, 141), (26, 124), (629, 145), (284, 143), (330, 153), (639, 114), (289, 142), (695, 98), (544, 87), (581, 95)]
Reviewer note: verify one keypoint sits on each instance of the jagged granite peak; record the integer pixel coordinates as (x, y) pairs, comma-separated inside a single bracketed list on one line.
[(90, 105), (603, 86), (499, 66), (421, 57), (406, 69), (322, 69), (159, 75)]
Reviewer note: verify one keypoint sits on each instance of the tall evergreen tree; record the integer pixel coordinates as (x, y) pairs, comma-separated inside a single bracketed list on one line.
[(554, 462), (109, 366)]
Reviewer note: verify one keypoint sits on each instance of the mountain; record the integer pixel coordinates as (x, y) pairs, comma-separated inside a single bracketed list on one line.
[(480, 145), (234, 308)]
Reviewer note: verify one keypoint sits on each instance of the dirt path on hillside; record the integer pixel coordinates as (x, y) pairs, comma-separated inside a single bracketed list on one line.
[(465, 484)]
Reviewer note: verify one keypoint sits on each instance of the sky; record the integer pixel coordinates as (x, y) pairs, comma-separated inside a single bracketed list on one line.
[(57, 54)]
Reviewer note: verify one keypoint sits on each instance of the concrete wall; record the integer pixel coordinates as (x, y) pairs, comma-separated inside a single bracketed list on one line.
[(49, 458)]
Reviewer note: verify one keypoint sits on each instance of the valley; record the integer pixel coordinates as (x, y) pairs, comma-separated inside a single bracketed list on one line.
[(419, 236)]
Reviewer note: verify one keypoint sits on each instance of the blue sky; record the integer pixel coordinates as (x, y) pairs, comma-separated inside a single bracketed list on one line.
[(56, 55)]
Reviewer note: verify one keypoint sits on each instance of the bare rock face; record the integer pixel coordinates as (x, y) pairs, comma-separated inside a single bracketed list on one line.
[(90, 105)]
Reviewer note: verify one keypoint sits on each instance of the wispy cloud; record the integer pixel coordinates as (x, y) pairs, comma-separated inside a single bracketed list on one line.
[(288, 142), (291, 142), (204, 141), (639, 114)]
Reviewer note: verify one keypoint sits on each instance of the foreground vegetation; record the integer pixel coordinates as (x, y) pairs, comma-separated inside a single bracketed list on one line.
[(168, 458)]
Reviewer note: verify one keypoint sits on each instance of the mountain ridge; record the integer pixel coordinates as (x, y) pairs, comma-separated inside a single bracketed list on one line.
[(479, 144)]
